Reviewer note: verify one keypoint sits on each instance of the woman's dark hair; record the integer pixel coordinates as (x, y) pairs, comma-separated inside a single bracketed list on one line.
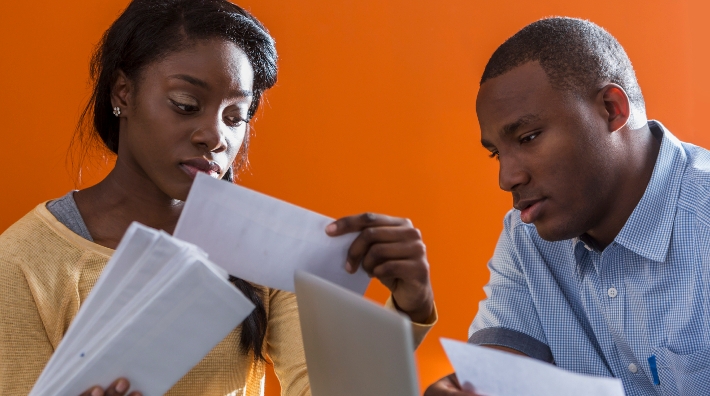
[(146, 32)]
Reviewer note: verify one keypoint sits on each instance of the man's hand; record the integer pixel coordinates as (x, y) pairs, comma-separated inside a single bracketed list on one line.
[(447, 386), (118, 388), (391, 250)]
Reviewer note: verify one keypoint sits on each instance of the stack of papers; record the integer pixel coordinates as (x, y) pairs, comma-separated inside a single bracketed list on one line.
[(262, 239), (492, 372), (158, 308)]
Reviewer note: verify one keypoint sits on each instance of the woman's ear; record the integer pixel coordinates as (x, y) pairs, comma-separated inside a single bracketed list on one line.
[(617, 108), (121, 91)]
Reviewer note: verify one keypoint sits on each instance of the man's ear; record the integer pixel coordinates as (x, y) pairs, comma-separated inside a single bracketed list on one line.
[(121, 93), (616, 106)]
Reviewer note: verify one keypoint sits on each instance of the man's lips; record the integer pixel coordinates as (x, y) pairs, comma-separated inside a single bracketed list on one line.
[(529, 209), (193, 166)]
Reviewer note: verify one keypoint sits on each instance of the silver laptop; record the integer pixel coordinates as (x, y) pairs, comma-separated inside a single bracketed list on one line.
[(354, 347)]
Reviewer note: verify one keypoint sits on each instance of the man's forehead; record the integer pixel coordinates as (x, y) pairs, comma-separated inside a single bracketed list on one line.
[(510, 96)]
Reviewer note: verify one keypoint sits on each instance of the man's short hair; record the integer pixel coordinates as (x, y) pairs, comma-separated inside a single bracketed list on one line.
[(576, 55)]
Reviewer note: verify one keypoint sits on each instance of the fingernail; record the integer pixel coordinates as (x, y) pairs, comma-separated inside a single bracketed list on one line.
[(122, 385), (331, 228), (96, 392), (349, 267)]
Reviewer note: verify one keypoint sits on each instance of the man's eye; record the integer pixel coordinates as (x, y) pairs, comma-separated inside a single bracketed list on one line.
[(529, 138), (494, 154)]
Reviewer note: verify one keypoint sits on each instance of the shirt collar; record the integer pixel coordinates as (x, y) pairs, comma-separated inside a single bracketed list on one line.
[(648, 230)]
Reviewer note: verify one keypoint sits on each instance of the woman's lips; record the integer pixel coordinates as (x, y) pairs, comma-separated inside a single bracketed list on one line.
[(532, 212), (192, 171)]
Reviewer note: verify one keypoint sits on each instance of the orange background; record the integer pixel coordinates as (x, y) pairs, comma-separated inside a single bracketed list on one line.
[(373, 111)]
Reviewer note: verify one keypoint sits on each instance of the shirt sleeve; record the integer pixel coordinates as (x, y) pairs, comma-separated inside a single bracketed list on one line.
[(508, 317), (25, 347), (419, 330), (285, 345)]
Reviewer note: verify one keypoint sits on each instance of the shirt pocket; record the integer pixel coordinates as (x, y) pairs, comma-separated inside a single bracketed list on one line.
[(684, 374)]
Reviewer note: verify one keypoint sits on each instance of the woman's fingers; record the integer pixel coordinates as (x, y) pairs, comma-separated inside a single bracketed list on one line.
[(392, 250), (366, 250), (95, 391), (383, 253), (117, 388), (359, 222)]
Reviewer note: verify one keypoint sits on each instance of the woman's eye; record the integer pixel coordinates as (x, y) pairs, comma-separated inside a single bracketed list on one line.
[(494, 154), (234, 121), (185, 107)]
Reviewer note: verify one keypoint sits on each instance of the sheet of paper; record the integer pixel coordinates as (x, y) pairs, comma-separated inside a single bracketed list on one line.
[(169, 335), (135, 242), (136, 275), (158, 308), (496, 373), (262, 239)]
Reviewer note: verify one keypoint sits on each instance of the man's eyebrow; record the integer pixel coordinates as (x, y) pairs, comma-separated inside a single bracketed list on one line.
[(510, 129), (204, 85)]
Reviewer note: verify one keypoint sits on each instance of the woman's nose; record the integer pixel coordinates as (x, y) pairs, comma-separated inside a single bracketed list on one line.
[(209, 136)]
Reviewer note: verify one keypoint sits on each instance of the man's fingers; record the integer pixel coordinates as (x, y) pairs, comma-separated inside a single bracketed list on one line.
[(447, 386), (359, 222)]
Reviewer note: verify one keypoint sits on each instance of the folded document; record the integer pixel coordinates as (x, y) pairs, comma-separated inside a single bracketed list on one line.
[(262, 239), (158, 308), (496, 373)]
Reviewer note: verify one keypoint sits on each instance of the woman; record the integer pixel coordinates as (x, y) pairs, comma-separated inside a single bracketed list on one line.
[(176, 83)]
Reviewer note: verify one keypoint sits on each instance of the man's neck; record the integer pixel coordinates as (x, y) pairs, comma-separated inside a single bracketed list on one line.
[(641, 148)]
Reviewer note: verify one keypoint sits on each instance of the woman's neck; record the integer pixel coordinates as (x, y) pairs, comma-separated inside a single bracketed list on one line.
[(125, 196)]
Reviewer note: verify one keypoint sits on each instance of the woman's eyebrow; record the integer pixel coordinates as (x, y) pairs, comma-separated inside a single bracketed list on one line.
[(191, 80), (204, 85)]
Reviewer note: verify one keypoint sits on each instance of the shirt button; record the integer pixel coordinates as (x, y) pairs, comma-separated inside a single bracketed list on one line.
[(633, 368), (612, 293)]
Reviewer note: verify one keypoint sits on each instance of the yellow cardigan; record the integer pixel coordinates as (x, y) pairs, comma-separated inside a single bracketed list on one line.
[(46, 271)]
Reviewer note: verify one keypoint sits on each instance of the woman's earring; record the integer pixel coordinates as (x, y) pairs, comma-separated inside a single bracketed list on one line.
[(117, 111)]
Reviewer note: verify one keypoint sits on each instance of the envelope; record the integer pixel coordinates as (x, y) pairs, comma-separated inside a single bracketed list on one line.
[(493, 372), (158, 308), (262, 239)]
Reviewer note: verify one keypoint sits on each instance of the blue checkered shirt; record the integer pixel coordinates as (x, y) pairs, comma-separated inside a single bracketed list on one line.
[(606, 313)]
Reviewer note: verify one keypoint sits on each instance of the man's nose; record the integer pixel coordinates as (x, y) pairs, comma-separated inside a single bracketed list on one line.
[(511, 174)]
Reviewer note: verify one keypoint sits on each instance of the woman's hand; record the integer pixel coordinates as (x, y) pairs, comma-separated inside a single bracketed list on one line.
[(391, 250), (447, 386), (118, 388)]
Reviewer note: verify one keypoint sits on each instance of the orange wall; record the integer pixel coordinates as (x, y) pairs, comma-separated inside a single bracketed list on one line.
[(374, 110)]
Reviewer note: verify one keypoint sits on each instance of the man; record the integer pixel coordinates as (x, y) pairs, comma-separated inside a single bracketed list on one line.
[(603, 268)]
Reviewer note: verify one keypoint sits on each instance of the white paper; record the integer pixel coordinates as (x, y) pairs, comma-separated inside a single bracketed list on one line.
[(262, 239), (134, 243), (158, 308), (161, 342), (495, 373)]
